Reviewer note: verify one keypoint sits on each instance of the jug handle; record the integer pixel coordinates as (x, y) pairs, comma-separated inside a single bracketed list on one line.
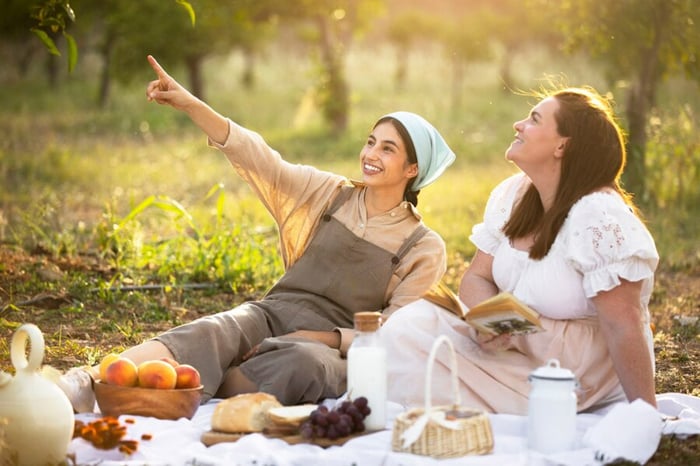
[(18, 350)]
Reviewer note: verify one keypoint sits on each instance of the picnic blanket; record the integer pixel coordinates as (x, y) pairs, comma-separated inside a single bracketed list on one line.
[(631, 431)]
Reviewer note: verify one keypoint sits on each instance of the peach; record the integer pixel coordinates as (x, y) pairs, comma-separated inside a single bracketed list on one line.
[(105, 362), (156, 374), (170, 361), (123, 372), (187, 377)]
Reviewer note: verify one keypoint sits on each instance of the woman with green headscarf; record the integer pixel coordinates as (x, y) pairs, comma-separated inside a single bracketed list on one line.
[(347, 246)]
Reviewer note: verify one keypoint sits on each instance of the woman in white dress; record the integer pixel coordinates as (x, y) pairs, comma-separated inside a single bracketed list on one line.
[(565, 238)]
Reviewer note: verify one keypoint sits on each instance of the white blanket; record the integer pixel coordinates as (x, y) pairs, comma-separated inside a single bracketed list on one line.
[(631, 431)]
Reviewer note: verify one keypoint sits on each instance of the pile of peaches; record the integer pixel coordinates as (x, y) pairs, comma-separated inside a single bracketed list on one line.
[(164, 373)]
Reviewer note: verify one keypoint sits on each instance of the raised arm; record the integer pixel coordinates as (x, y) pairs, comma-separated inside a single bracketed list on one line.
[(622, 325), (166, 91)]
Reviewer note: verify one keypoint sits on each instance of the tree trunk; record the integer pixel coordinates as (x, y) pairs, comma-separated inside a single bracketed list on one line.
[(636, 143), (334, 88), (458, 70), (506, 72), (248, 76), (194, 72), (52, 70), (105, 78), (641, 99), (401, 66)]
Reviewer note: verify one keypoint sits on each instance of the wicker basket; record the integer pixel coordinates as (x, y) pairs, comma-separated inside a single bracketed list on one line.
[(442, 431)]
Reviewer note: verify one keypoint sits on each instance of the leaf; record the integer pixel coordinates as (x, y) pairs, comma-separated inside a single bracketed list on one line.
[(188, 8), (69, 11), (72, 51), (214, 189), (48, 42), (137, 210)]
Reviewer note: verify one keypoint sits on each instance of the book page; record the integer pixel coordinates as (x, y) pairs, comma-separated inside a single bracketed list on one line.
[(503, 313)]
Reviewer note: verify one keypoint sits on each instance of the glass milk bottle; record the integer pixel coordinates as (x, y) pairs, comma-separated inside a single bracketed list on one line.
[(367, 368), (551, 417)]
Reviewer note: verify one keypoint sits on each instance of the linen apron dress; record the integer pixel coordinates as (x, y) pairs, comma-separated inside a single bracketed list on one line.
[(338, 275)]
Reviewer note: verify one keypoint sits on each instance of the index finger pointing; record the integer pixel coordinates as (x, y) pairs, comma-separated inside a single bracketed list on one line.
[(156, 67)]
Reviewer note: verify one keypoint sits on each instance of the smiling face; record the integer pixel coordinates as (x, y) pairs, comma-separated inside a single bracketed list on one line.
[(384, 159), (537, 143)]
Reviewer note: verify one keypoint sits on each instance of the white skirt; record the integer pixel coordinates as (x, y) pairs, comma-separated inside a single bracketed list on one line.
[(495, 381)]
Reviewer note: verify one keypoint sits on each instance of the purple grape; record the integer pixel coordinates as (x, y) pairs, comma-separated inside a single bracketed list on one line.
[(360, 402), (323, 420), (340, 421), (332, 433), (306, 430), (333, 417)]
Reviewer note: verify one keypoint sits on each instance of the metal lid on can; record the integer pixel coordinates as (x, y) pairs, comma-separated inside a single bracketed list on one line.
[(552, 371)]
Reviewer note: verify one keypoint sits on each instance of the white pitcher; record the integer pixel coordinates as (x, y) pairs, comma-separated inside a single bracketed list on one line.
[(37, 418), (551, 417)]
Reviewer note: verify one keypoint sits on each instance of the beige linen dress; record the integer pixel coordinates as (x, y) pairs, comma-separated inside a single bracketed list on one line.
[(337, 262), (600, 242)]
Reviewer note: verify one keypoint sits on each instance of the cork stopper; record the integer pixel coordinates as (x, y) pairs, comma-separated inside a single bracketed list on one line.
[(368, 321)]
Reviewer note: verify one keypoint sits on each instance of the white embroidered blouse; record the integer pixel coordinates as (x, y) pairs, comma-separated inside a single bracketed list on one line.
[(600, 242)]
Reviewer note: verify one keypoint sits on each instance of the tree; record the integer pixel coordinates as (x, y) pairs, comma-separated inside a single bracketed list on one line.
[(333, 25), (517, 24), (405, 30), (54, 16), (642, 42), (124, 32), (18, 45), (465, 41)]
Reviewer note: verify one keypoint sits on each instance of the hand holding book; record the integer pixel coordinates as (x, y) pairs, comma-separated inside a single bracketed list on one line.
[(503, 313)]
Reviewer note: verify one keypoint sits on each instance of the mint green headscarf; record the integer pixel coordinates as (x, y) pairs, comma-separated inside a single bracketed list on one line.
[(432, 152)]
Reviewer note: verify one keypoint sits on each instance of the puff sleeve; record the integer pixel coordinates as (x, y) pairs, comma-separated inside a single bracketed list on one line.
[(607, 242), (488, 234)]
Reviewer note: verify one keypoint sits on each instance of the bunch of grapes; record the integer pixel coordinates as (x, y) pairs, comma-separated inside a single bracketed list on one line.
[(338, 422)]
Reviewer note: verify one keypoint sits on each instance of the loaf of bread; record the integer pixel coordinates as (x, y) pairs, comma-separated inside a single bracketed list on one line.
[(243, 413), (290, 415)]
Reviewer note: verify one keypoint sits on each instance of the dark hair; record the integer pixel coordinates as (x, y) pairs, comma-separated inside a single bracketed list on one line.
[(408, 194), (594, 158)]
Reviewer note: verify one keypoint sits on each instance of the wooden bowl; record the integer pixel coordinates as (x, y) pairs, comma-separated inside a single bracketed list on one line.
[(115, 400)]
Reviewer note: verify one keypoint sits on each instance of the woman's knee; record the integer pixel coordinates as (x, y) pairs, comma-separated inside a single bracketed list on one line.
[(418, 314), (302, 373)]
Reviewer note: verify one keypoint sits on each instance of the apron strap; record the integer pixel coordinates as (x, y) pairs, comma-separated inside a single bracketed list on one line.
[(340, 198), (417, 234)]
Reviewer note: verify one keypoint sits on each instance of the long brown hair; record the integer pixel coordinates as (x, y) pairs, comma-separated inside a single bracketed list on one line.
[(594, 158)]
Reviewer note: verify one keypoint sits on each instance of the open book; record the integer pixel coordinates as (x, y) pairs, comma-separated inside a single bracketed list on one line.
[(503, 313)]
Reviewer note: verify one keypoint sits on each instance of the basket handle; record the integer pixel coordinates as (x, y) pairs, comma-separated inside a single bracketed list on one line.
[(453, 368)]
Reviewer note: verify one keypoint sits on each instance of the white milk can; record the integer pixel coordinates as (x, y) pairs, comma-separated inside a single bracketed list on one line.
[(551, 417), (36, 417)]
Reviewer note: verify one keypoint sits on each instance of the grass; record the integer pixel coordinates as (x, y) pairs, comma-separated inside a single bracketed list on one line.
[(117, 224)]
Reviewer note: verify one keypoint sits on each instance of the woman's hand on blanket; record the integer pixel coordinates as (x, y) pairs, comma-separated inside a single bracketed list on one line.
[(252, 352), (492, 343), (332, 339)]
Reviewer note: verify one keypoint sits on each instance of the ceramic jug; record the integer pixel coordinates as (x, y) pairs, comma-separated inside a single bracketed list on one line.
[(551, 417), (37, 418)]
